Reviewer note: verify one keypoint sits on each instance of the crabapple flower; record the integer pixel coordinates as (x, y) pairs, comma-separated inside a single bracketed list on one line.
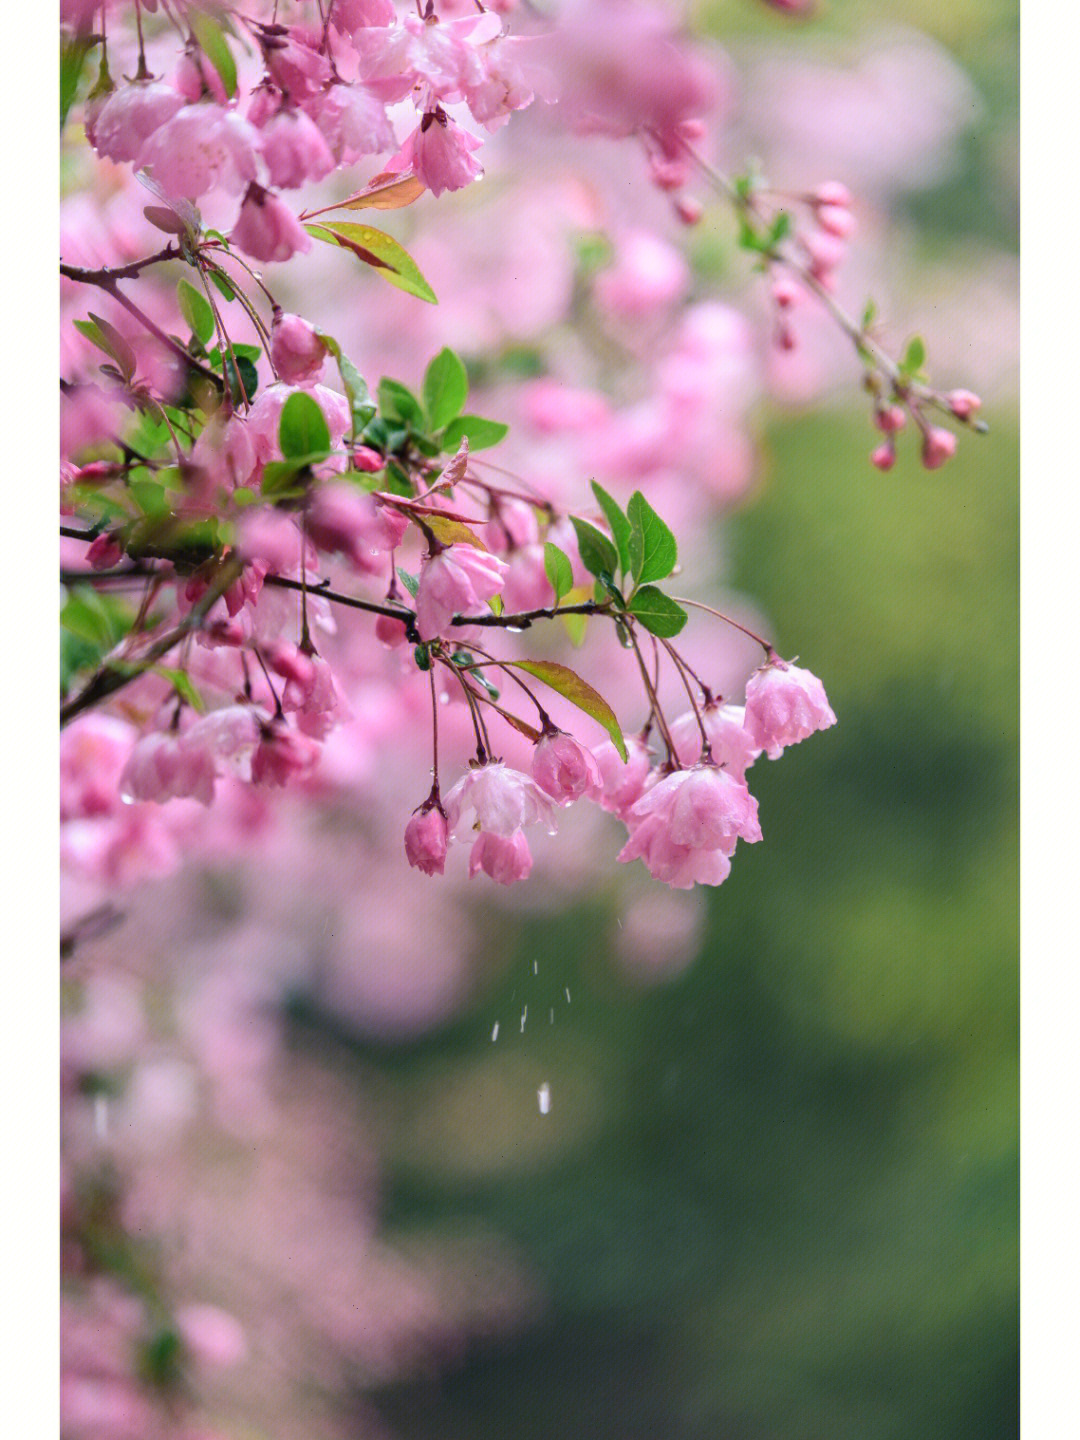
[(565, 769), (686, 827), (505, 858), (282, 754), (295, 349), (784, 704), (161, 767), (266, 229), (703, 808), (502, 800), (294, 149), (352, 121), (131, 115), (426, 839), (731, 744), (622, 785), (347, 520), (440, 153), (200, 147), (456, 581)]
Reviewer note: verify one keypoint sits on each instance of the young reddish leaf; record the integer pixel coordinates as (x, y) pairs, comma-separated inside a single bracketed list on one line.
[(384, 192), (450, 532), (579, 692)]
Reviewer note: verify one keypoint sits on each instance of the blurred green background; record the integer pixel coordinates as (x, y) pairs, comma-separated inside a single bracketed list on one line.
[(776, 1198)]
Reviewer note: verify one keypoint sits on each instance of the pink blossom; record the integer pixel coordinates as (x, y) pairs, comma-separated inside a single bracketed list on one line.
[(502, 800), (527, 586), (282, 755), (312, 697), (93, 752), (622, 784), (213, 1336), (162, 767), (731, 744), (565, 769), (704, 808), (504, 858), (426, 839), (884, 456), (269, 537), (104, 552), (647, 277), (440, 153), (681, 866), (352, 121), (294, 149), (349, 15), (296, 68), (295, 349), (390, 632), (784, 704), (458, 580), (354, 523), (131, 115), (200, 148), (835, 220), (266, 229)]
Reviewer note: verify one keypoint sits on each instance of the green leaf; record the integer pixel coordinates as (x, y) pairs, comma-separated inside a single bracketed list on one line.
[(282, 478), (481, 433), (558, 570), (373, 247), (620, 525), (221, 284), (597, 552), (180, 680), (303, 430), (452, 532), (361, 404), (151, 499), (100, 620), (411, 583), (446, 388), (652, 545), (109, 340), (657, 612), (244, 374), (73, 53), (214, 46), (914, 356), (397, 402), (579, 692), (196, 310)]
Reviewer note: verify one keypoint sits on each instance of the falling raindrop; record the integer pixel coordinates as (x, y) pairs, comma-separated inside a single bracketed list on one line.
[(101, 1116), (568, 994), (536, 967), (551, 1015), (543, 1096), (524, 1017), (495, 1032)]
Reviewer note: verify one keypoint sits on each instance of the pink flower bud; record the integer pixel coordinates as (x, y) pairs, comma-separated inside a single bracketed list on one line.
[(295, 349), (669, 174), (688, 209), (836, 220), (565, 769), (283, 754), (784, 704), (104, 552), (963, 403), (266, 229), (938, 446), (832, 193), (426, 839), (213, 1336), (294, 150), (890, 418), (367, 460), (504, 858), (884, 457), (785, 292)]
